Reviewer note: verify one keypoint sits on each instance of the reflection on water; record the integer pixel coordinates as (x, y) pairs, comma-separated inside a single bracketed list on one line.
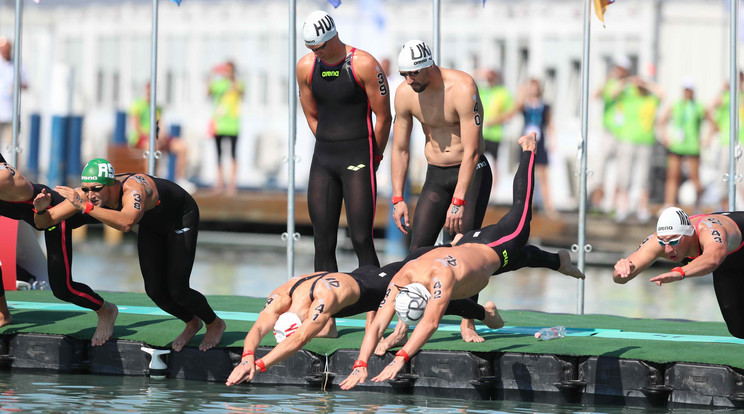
[(253, 265), (33, 392)]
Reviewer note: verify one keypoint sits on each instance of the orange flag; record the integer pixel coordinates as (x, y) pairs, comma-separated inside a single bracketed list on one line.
[(600, 6)]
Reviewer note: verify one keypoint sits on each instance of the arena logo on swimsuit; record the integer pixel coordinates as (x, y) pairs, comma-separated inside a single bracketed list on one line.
[(327, 73)]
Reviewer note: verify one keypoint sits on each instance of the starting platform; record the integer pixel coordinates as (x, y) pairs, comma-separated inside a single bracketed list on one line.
[(602, 360)]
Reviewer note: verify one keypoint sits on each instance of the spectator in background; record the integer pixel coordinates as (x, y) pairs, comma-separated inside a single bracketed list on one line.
[(683, 143), (496, 101), (227, 92), (537, 118), (139, 136), (611, 119), (640, 100), (6, 92), (719, 109)]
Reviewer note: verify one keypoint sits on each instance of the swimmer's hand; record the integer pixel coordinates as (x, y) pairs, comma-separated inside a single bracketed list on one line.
[(668, 277), (244, 371), (624, 267), (391, 370), (454, 219), (400, 210), (356, 377), (43, 200), (72, 195)]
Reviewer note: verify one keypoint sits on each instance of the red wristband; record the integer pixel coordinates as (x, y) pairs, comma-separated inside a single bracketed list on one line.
[(403, 354), (458, 201), (88, 207), (40, 212), (396, 200), (679, 270), (359, 364), (261, 365), (246, 353)]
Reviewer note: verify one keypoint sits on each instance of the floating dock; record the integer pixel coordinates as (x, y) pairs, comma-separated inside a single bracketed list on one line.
[(602, 360)]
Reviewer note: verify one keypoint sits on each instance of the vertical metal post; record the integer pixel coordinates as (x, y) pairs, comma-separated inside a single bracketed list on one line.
[(153, 92), (15, 123), (733, 105), (584, 139), (437, 31), (292, 136)]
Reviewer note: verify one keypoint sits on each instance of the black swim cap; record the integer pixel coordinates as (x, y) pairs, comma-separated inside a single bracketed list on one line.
[(2, 159)]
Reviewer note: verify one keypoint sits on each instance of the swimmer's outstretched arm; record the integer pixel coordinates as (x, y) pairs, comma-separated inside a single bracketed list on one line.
[(276, 304), (441, 293), (372, 334), (629, 267)]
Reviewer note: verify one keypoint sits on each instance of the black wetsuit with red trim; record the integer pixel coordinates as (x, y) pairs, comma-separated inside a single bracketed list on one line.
[(343, 167), (58, 240), (166, 243), (436, 197), (509, 236), (728, 278), (373, 282)]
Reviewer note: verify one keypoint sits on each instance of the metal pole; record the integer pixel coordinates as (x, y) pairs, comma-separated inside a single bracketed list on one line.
[(292, 87), (584, 139), (733, 106), (16, 85), (151, 154), (437, 31)]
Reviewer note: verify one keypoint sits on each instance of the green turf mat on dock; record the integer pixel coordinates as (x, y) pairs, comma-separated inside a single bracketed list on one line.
[(158, 331)]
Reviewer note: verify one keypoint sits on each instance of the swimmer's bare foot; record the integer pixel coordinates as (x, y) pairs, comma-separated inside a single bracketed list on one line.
[(397, 338), (528, 142), (5, 318), (213, 336), (467, 331), (192, 327), (493, 319), (329, 330), (106, 318), (567, 268)]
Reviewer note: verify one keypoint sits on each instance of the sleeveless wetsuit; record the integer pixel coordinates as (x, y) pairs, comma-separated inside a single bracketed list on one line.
[(343, 167), (58, 240), (728, 279), (436, 196), (166, 243)]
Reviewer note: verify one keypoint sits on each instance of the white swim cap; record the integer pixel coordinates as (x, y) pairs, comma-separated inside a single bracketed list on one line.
[(286, 325), (415, 55), (319, 27), (674, 221), (411, 302)]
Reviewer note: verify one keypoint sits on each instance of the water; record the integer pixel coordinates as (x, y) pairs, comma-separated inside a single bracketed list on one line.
[(65, 393), (253, 265)]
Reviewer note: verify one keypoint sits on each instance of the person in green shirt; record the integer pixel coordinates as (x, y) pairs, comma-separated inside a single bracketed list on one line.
[(612, 118), (227, 92), (497, 100), (139, 136), (636, 138), (682, 140)]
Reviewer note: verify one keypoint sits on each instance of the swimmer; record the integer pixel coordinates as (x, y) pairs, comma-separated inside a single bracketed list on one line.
[(167, 218), (455, 272)]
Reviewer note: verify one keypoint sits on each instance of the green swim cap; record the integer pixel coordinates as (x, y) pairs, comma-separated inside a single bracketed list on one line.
[(98, 171)]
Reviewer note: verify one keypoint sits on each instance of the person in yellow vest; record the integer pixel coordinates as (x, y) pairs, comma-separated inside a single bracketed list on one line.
[(227, 92), (496, 100), (640, 100), (719, 110), (139, 136), (682, 140)]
